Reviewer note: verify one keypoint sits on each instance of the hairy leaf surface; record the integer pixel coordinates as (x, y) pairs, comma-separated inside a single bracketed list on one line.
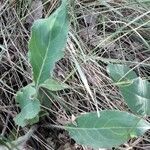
[(47, 42), (111, 129), (30, 106)]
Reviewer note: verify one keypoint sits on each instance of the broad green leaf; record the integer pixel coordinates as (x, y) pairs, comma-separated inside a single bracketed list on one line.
[(111, 129), (120, 72), (30, 106), (48, 39), (137, 96), (54, 85)]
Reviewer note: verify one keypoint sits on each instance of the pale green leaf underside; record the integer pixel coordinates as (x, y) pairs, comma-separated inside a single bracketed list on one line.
[(30, 106), (54, 85), (120, 72), (136, 94), (111, 129), (47, 42)]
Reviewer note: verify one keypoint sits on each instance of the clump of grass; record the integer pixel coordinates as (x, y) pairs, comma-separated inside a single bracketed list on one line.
[(101, 32)]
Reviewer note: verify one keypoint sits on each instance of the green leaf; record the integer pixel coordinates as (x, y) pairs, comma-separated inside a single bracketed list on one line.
[(47, 42), (120, 72), (30, 106), (137, 96), (111, 129), (54, 85)]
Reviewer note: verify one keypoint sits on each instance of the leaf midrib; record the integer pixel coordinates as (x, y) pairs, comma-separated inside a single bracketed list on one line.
[(45, 56), (105, 128)]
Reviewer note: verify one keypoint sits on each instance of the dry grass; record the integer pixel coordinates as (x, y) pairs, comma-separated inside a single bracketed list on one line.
[(100, 33)]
